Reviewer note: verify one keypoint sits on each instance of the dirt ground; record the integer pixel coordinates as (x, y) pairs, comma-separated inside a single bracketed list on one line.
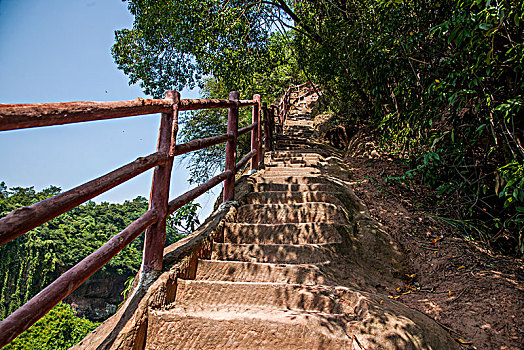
[(477, 295)]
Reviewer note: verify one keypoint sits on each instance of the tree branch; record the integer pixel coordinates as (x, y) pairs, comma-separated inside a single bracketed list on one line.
[(281, 4)]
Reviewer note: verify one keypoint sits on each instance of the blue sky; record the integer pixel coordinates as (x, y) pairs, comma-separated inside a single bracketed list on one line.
[(59, 50)]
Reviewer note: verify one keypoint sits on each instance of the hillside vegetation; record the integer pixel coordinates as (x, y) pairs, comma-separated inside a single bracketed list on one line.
[(439, 84), (32, 261)]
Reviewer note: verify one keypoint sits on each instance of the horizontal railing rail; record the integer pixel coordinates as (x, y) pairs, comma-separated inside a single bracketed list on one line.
[(20, 221), (20, 116), (24, 219)]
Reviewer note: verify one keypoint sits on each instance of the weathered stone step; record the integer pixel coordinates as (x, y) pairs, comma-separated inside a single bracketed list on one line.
[(296, 141), (303, 161), (293, 148), (294, 133), (309, 123), (291, 213), (291, 180), (294, 138), (280, 197), (274, 253), (283, 170), (288, 146), (250, 329), (299, 163), (297, 132), (237, 271), (231, 296), (312, 153), (263, 187), (288, 154), (287, 233), (297, 158)]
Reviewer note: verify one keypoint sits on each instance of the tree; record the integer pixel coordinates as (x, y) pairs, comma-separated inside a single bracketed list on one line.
[(177, 44), (59, 329)]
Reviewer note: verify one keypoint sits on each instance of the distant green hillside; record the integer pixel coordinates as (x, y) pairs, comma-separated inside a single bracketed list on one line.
[(58, 330), (33, 260)]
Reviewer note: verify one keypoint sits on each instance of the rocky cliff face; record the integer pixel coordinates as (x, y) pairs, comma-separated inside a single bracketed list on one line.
[(98, 298)]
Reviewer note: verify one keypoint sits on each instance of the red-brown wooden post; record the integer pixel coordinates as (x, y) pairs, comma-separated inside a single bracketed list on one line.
[(272, 113), (231, 148), (267, 132), (259, 155), (155, 236), (255, 132)]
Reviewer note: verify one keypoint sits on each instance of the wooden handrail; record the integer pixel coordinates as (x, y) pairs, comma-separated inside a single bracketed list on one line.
[(19, 116), (246, 129), (30, 115), (245, 159), (195, 145), (24, 219), (187, 197), (44, 114), (231, 148)]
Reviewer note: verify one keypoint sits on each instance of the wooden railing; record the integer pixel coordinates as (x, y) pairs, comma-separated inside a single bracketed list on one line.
[(300, 91), (153, 221)]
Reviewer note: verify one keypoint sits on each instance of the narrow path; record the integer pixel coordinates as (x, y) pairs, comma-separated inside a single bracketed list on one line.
[(276, 279)]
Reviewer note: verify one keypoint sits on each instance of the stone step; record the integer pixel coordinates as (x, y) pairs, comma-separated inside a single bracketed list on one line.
[(294, 148), (304, 180), (274, 253), (312, 153), (297, 131), (296, 141), (290, 164), (294, 138), (297, 158), (293, 134), (281, 197), (230, 296), (289, 146), (294, 154), (237, 271), (287, 233), (283, 170), (299, 125), (291, 213), (302, 161), (250, 329), (263, 187)]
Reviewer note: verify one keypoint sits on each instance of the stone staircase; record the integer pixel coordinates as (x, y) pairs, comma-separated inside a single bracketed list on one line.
[(265, 285), (298, 264)]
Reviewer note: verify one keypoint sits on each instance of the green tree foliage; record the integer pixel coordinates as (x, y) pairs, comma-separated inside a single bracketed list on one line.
[(184, 220), (57, 330), (219, 46), (441, 80), (174, 44)]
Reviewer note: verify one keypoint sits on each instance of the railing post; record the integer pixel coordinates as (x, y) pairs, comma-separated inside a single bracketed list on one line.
[(272, 113), (279, 114), (155, 236), (255, 141), (231, 148), (267, 130)]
